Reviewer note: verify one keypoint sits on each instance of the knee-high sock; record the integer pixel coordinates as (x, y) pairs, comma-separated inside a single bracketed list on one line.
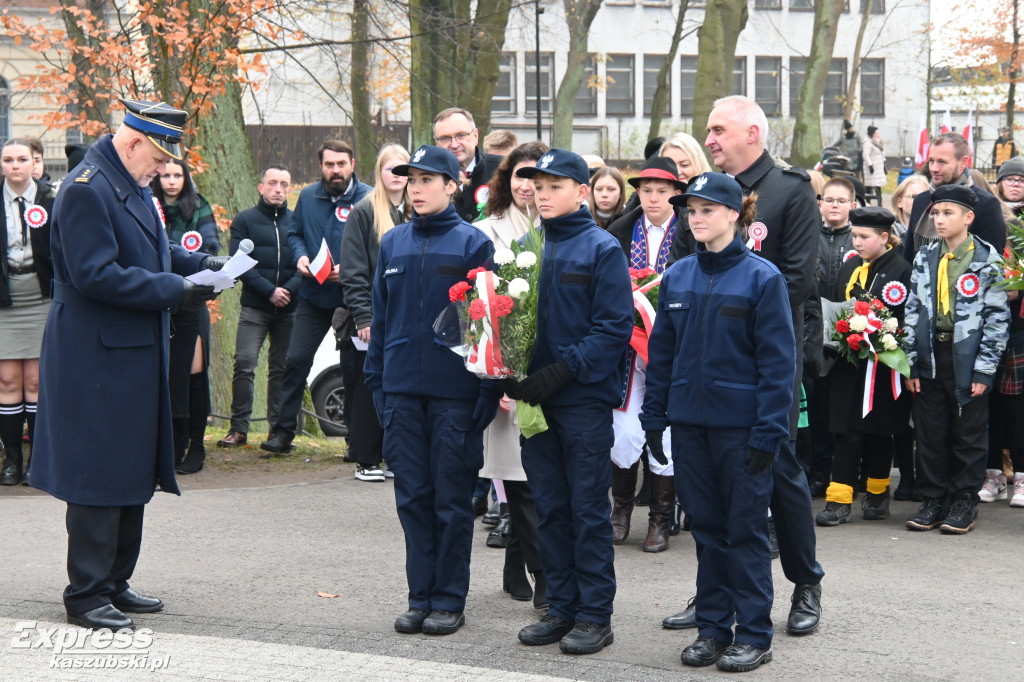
[(30, 417), (12, 417)]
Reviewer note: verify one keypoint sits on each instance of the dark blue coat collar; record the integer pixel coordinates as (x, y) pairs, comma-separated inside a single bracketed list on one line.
[(439, 222), (712, 261), (569, 225)]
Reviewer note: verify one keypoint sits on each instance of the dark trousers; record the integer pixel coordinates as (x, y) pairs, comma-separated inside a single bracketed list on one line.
[(365, 437), (570, 470), (728, 514), (794, 519), (1006, 430), (952, 440), (856, 452), (311, 324), (523, 545), (103, 548), (435, 461), (819, 466), (254, 326)]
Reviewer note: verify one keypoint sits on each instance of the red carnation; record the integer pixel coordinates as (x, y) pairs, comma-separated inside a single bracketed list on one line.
[(646, 272), (854, 341), (842, 326), (471, 275), (458, 291), (634, 273), (502, 305), (861, 308), (876, 304), (477, 309)]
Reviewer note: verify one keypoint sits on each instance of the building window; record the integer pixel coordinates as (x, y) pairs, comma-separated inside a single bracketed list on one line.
[(652, 64), (834, 99), (5, 110), (872, 87), (547, 82), (802, 5), (586, 96), (687, 84), (767, 4), (768, 84), (619, 93), (739, 77), (504, 102), (877, 6)]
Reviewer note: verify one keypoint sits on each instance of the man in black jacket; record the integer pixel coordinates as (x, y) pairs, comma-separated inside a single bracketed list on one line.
[(268, 299), (455, 131)]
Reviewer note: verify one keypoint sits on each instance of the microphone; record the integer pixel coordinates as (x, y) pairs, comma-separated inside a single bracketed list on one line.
[(245, 246)]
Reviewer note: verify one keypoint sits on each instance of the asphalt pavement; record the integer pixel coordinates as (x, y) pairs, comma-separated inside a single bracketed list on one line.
[(240, 571)]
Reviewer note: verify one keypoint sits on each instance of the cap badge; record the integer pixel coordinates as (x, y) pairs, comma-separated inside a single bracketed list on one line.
[(699, 183), (419, 155), (545, 161)]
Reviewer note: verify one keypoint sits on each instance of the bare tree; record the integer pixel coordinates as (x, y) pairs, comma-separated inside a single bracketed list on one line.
[(716, 53), (807, 129), (661, 93), (579, 15)]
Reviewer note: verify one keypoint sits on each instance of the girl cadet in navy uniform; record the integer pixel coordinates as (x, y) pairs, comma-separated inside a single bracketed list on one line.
[(432, 410), (721, 371)]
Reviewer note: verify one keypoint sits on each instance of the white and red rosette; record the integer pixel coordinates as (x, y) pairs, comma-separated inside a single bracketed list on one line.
[(848, 255), (968, 285), (160, 212), (35, 216), (192, 241), (483, 192), (894, 293), (341, 213), (758, 232)]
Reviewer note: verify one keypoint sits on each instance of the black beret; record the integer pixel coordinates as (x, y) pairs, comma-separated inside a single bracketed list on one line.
[(872, 216), (957, 194)]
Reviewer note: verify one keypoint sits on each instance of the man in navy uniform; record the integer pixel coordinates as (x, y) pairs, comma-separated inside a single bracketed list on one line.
[(115, 282)]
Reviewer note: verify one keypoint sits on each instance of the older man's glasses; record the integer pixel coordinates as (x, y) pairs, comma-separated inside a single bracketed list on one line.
[(448, 139)]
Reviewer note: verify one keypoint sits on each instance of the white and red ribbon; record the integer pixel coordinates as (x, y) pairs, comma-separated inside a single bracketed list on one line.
[(968, 285), (485, 357), (341, 213), (160, 213), (868, 402), (758, 233), (35, 216), (192, 241), (894, 293)]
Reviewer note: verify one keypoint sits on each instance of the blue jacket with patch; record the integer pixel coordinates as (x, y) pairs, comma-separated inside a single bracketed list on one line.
[(723, 352), (419, 262), (316, 217), (584, 310)]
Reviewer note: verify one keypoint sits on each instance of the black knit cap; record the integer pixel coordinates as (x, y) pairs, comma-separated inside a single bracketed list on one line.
[(957, 194), (872, 216)]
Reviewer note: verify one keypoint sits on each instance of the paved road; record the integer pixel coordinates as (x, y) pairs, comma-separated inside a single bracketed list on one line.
[(240, 570)]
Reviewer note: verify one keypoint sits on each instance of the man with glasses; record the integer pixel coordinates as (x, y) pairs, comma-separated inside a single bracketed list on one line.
[(455, 131), (1010, 185)]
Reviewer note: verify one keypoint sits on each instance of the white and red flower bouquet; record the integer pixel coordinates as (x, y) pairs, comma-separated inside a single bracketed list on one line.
[(646, 284)]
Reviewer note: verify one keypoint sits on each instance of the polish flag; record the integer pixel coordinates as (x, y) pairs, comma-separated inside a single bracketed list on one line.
[(923, 143), (322, 264), (947, 123), (968, 133)]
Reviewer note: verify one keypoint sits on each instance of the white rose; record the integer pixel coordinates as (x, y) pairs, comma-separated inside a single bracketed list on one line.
[(504, 256), (889, 342), (858, 323), (890, 324), (527, 259), (518, 287)]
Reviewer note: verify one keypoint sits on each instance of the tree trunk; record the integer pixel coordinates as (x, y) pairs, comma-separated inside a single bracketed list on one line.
[(664, 88), (807, 129), (97, 110), (483, 60), (579, 15), (1011, 94), (366, 149), (851, 90), (433, 72), (716, 54)]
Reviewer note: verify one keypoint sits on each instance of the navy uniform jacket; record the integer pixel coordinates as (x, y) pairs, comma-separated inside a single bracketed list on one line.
[(584, 310), (419, 262), (723, 351), (103, 433)]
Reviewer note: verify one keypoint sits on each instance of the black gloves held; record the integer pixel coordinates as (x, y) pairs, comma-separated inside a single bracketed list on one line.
[(484, 411), (195, 295), (215, 263), (539, 386), (655, 446), (758, 460), (511, 387)]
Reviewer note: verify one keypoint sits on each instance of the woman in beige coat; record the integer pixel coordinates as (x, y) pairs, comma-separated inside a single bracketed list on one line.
[(874, 165)]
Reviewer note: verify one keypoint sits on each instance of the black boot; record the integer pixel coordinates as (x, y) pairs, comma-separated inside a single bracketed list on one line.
[(515, 582), (11, 472), (643, 498), (198, 408), (498, 538), (179, 430), (623, 489), (663, 498), (540, 590)]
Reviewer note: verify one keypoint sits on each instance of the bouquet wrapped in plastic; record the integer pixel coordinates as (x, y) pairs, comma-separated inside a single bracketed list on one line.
[(646, 285)]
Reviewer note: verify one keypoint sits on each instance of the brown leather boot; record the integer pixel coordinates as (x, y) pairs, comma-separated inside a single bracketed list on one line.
[(663, 502), (623, 495)]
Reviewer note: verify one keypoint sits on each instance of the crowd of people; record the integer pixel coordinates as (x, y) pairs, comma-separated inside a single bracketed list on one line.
[(741, 412)]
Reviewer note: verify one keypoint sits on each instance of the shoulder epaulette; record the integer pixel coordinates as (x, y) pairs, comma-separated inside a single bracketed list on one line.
[(86, 173), (799, 172)]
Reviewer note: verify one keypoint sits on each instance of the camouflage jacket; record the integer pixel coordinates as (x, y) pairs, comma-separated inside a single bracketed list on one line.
[(981, 322)]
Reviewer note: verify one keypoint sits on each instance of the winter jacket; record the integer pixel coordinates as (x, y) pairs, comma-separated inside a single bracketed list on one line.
[(359, 248), (419, 262), (584, 310), (834, 248), (723, 351), (469, 198), (682, 245), (38, 237), (981, 323), (201, 222), (267, 227), (316, 218), (1003, 151), (874, 164), (988, 224)]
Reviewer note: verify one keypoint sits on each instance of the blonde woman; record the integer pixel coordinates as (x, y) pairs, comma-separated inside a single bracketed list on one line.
[(370, 219), (903, 201), (688, 155)]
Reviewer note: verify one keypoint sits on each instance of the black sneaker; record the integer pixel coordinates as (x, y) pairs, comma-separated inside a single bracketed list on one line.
[(586, 637), (875, 507), (929, 515), (369, 473), (960, 519), (279, 444), (834, 514)]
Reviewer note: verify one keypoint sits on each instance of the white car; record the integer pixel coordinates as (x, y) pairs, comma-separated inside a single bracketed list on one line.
[(327, 388)]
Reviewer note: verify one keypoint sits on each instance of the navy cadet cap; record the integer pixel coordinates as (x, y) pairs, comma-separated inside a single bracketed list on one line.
[(872, 216), (433, 160), (559, 162), (160, 122), (957, 194), (716, 187)]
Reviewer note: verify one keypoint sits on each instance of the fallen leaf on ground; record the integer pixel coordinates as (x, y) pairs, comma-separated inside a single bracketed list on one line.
[(326, 595)]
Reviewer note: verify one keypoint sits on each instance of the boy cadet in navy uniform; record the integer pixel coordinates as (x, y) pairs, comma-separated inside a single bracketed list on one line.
[(432, 410), (115, 280), (584, 323)]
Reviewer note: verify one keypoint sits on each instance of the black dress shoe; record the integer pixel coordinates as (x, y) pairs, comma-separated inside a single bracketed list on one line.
[(704, 651), (499, 537), (411, 622), (441, 622), (805, 612), (586, 637), (131, 601), (684, 620), (479, 505), (279, 444), (741, 658), (548, 630), (515, 582), (493, 515), (193, 462), (105, 616)]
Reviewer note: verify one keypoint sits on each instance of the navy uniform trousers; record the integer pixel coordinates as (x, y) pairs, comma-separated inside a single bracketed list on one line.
[(436, 461), (570, 470), (727, 508)]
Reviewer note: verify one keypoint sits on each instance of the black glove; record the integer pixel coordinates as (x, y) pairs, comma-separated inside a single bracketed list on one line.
[(656, 447), (512, 387), (195, 295), (215, 263), (758, 460), (871, 169), (539, 386), (485, 410)]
